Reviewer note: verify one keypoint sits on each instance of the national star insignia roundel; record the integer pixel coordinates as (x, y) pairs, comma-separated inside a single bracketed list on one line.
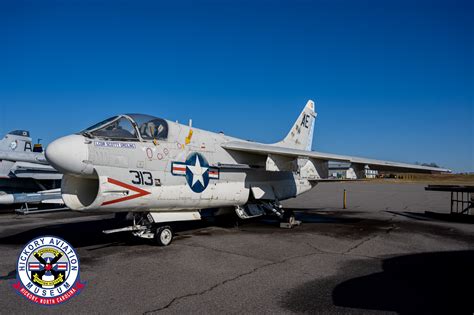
[(197, 171)]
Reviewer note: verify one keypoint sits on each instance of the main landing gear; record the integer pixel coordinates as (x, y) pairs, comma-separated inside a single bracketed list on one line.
[(252, 210), (288, 221)]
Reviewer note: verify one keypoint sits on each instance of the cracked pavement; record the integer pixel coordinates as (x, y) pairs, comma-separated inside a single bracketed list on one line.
[(375, 257)]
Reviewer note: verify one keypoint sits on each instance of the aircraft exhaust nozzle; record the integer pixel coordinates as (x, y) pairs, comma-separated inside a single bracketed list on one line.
[(69, 155)]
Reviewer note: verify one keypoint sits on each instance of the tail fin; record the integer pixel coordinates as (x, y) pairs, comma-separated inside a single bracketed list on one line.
[(17, 140), (301, 134)]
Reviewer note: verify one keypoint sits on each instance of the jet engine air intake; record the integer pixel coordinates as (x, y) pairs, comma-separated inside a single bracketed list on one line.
[(79, 192)]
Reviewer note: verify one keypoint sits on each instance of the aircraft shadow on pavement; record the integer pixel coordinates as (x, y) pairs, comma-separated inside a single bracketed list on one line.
[(78, 234), (317, 216), (428, 283), (90, 233), (458, 218)]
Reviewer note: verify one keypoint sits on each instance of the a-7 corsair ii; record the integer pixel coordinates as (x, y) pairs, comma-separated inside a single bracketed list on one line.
[(162, 171)]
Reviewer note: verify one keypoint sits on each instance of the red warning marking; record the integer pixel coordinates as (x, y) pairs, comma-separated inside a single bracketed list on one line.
[(139, 192)]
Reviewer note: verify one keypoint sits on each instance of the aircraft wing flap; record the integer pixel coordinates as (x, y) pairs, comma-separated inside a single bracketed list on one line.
[(264, 149)]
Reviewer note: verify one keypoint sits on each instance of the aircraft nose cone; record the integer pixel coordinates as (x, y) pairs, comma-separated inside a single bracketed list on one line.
[(68, 155)]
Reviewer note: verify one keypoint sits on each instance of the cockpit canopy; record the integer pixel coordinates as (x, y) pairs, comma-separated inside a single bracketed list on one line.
[(129, 127)]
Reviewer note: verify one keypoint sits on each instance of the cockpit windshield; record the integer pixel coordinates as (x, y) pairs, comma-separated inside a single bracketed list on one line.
[(131, 127)]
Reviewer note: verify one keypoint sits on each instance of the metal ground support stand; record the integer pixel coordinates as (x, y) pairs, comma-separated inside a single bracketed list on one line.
[(462, 197), (25, 209)]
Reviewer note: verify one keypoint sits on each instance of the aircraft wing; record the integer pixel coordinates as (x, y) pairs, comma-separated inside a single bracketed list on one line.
[(278, 151), (35, 171)]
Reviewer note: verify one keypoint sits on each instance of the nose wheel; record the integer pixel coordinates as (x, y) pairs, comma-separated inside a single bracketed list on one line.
[(164, 235), (144, 227)]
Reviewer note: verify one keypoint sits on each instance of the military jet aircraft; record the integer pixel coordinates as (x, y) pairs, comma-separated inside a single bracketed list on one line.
[(25, 174), (162, 171)]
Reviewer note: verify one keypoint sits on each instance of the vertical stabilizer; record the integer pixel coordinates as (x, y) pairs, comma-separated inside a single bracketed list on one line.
[(301, 134)]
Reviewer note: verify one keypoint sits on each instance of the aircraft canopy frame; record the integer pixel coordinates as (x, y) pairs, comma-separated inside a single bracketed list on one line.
[(129, 127)]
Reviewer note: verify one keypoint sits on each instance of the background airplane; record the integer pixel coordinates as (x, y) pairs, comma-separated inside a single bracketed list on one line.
[(25, 174), (162, 171)]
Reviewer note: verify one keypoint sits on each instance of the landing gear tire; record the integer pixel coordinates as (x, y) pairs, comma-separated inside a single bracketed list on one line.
[(164, 236), (289, 217), (289, 220)]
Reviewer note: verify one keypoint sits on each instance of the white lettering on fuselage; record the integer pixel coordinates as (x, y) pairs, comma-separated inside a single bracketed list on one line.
[(109, 144)]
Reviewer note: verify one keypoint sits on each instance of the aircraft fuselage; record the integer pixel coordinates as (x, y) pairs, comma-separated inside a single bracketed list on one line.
[(187, 171)]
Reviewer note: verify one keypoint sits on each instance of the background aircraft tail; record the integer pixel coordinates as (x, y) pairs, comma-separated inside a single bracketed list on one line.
[(16, 141), (301, 134), (13, 142)]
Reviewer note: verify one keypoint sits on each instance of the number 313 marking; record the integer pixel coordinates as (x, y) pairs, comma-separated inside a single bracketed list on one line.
[(142, 178)]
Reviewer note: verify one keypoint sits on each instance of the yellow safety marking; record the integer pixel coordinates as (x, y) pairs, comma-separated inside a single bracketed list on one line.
[(189, 137)]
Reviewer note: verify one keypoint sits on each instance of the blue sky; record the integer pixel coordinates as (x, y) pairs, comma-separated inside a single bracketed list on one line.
[(391, 79)]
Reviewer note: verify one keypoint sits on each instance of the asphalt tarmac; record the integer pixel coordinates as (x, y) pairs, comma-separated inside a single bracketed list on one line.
[(384, 254)]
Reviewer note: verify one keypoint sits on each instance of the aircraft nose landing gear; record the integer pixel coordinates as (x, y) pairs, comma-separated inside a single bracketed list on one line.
[(163, 235), (145, 226)]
